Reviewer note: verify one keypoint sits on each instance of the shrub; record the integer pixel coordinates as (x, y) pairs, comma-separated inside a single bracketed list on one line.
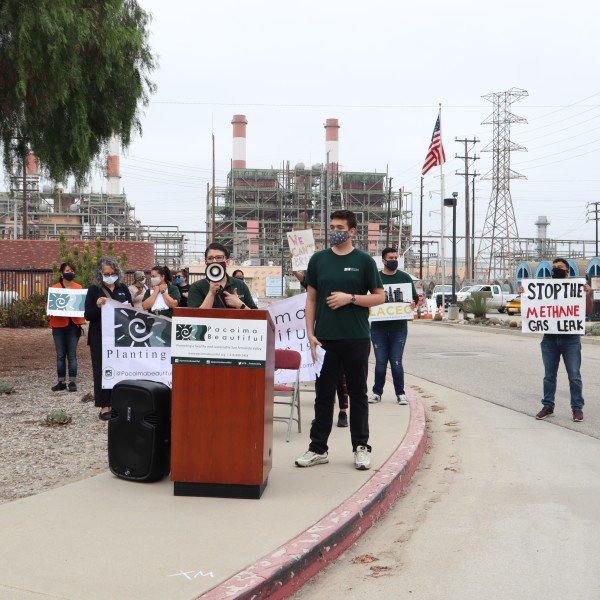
[(513, 324), (28, 312), (476, 304), (58, 417), (6, 387), (437, 317)]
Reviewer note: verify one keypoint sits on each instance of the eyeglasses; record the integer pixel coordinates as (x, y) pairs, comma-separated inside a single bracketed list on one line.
[(219, 258)]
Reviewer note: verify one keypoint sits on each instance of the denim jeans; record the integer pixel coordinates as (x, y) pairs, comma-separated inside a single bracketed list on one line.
[(65, 340), (349, 358), (569, 347), (388, 347)]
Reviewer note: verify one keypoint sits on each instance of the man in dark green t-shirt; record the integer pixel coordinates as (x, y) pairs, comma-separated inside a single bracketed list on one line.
[(337, 319), (389, 337), (227, 293)]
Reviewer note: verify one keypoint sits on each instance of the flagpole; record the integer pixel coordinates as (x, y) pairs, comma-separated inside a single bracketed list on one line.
[(443, 218)]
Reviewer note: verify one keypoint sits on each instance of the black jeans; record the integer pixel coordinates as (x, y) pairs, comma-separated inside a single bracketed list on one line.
[(101, 397), (349, 358)]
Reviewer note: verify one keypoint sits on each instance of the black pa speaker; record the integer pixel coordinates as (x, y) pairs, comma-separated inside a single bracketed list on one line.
[(139, 431)]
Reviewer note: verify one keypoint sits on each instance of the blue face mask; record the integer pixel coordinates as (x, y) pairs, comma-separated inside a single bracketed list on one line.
[(392, 265), (69, 276), (178, 280), (338, 237)]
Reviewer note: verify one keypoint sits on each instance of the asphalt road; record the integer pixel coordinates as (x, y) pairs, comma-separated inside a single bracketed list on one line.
[(502, 367)]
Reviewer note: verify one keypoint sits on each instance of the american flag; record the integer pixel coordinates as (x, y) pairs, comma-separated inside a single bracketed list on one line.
[(435, 155)]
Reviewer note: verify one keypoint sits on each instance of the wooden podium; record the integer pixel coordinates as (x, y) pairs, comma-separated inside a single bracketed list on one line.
[(222, 420)]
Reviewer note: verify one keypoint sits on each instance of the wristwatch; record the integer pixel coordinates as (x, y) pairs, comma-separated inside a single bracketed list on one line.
[(163, 291), (353, 299), (242, 305)]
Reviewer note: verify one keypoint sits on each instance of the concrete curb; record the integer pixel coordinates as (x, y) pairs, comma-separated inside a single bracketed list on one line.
[(282, 572)]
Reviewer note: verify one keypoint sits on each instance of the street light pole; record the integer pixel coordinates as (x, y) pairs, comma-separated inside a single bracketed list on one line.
[(452, 202)]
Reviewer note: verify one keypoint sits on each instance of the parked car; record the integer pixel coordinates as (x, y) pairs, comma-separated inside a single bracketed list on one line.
[(513, 307), (438, 291), (496, 297)]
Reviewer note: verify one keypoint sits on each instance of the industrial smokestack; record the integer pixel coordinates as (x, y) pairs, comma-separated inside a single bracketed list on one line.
[(332, 142), (113, 172), (238, 154), (33, 166)]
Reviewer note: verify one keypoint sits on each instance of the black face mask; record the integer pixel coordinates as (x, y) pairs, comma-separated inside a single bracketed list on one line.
[(558, 273)]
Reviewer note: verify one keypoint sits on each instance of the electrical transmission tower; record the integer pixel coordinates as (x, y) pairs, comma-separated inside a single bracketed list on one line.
[(500, 248)]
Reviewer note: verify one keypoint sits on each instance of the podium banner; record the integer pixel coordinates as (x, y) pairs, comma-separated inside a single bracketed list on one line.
[(135, 345), (219, 342)]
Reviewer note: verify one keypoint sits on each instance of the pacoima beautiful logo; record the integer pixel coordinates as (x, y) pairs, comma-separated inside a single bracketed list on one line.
[(58, 301), (190, 333), (134, 328)]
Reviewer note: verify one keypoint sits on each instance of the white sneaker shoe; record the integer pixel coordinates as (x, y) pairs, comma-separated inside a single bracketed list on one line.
[(310, 459), (362, 458), (374, 398), (402, 399)]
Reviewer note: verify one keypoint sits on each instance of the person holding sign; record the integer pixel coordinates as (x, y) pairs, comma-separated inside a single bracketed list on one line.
[(108, 283), (567, 345), (337, 320), (389, 336), (219, 290), (66, 332), (164, 296)]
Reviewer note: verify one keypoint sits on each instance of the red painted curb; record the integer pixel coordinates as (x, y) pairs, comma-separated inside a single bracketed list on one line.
[(282, 572)]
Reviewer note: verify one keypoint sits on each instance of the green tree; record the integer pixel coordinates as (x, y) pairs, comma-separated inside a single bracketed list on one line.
[(72, 73)]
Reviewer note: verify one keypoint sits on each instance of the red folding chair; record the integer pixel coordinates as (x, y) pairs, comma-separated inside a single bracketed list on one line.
[(288, 395)]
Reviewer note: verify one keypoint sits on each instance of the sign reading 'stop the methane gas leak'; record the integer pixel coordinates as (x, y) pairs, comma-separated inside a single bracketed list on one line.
[(553, 306)]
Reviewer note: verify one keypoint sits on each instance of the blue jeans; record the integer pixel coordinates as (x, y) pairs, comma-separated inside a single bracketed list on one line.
[(389, 347), (65, 340), (569, 347)]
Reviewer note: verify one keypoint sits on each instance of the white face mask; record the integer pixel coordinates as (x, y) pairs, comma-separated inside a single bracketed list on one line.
[(155, 281), (109, 279)]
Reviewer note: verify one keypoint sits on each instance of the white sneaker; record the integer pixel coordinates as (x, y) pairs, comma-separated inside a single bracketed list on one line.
[(374, 398), (362, 458), (402, 399), (310, 459)]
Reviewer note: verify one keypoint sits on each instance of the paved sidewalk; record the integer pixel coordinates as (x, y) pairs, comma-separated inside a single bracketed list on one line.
[(104, 537)]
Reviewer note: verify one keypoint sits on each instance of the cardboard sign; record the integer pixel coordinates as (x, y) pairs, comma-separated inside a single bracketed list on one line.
[(553, 306), (302, 247)]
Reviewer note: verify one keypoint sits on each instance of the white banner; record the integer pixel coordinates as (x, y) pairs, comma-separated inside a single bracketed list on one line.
[(219, 342), (290, 334), (302, 247), (135, 345), (63, 302), (553, 306), (398, 298)]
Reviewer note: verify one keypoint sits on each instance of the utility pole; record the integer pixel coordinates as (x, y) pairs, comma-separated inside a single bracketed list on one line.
[(469, 160), (593, 214), (421, 233)]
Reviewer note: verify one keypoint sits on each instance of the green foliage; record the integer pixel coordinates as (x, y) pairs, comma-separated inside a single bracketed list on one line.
[(476, 304), (437, 317), (72, 72), (513, 324), (85, 264), (27, 312), (6, 387), (58, 417)]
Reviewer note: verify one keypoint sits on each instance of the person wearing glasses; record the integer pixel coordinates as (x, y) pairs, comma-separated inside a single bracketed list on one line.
[(226, 293), (569, 347)]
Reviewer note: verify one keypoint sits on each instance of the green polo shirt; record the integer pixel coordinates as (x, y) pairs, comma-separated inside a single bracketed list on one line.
[(389, 280), (199, 290), (353, 273)]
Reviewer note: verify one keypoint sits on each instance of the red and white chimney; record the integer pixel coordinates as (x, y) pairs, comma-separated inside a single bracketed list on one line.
[(238, 154), (113, 171), (332, 143), (33, 164)]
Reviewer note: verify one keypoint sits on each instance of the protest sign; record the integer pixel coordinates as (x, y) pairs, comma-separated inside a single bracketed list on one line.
[(302, 247), (398, 298), (66, 302), (290, 334), (135, 345), (553, 306)]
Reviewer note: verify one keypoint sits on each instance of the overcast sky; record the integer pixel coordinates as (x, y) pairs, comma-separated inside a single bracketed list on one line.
[(381, 68)]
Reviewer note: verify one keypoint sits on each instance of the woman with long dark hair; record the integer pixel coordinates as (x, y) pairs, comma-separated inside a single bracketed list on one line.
[(108, 283), (66, 332), (163, 295)]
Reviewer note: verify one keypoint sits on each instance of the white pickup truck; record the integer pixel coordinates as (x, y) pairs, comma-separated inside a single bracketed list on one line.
[(496, 297)]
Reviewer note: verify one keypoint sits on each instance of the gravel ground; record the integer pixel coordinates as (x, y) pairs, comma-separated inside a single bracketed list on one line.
[(37, 457)]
